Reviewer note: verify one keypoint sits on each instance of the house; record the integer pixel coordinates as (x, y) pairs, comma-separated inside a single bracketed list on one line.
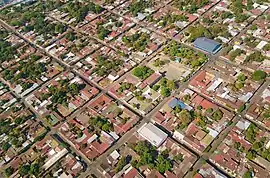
[(207, 45)]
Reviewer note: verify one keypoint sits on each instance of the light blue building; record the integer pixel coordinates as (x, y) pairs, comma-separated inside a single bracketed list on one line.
[(207, 45)]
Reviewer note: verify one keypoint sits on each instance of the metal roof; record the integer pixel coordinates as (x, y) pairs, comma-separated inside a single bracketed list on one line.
[(152, 134), (207, 45)]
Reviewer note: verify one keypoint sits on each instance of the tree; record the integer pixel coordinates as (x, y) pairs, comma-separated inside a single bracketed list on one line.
[(60, 28), (256, 56), (178, 157), (258, 75), (139, 6), (185, 117), (24, 170), (171, 84), (235, 53), (218, 114), (147, 153), (156, 87), (5, 146), (70, 36), (74, 88), (121, 164), (18, 120), (163, 164), (35, 169), (107, 127), (251, 154), (257, 145), (242, 108), (142, 72), (158, 63), (9, 171), (186, 97), (241, 77), (249, 4), (165, 91), (251, 133), (248, 174), (102, 32), (266, 47)]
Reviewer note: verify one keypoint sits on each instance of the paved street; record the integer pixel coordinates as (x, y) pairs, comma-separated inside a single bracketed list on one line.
[(144, 118)]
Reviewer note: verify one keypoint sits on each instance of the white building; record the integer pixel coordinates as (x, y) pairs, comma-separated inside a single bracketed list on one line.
[(152, 134)]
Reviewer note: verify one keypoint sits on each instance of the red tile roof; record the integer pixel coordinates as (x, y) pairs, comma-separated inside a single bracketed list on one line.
[(131, 174)]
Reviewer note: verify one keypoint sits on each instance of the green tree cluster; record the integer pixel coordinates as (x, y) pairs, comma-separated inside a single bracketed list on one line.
[(256, 56), (237, 52), (166, 87), (102, 32), (105, 66), (60, 94), (186, 117), (259, 75), (121, 163), (251, 133), (190, 6), (149, 156), (169, 19), (137, 41), (7, 50), (33, 169), (194, 59), (28, 69), (266, 47), (126, 86), (142, 72), (101, 123), (139, 6), (78, 9)]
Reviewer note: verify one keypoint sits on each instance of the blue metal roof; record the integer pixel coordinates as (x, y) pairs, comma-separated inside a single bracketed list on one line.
[(207, 45), (175, 102)]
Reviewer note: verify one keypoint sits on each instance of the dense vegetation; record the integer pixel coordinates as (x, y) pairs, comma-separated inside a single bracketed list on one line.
[(194, 59), (237, 8), (190, 6), (105, 66), (139, 6), (79, 10), (33, 169), (7, 51), (15, 135), (255, 56), (100, 123), (142, 72), (28, 69), (62, 93), (166, 87), (35, 19), (137, 41), (214, 30), (102, 32), (259, 75), (126, 86), (150, 157), (168, 19)]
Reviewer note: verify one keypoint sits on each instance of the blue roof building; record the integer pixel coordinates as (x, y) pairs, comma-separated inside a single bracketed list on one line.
[(175, 102), (207, 45)]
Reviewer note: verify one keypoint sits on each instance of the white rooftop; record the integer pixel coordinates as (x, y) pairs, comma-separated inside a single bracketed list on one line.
[(152, 134)]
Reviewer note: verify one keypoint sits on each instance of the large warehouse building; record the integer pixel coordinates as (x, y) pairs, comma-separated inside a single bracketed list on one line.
[(207, 45), (152, 134)]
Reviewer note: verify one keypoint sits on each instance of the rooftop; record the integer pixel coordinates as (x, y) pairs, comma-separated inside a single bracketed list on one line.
[(152, 134), (207, 45)]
